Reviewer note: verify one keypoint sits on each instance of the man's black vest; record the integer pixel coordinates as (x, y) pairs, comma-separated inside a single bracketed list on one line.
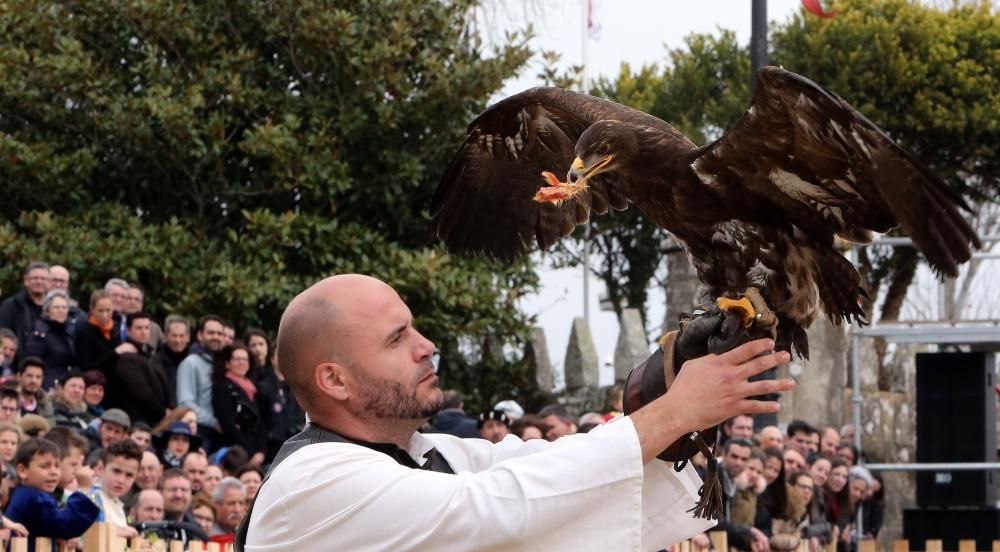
[(314, 434)]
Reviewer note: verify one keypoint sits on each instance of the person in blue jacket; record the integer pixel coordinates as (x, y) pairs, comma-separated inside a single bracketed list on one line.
[(32, 503)]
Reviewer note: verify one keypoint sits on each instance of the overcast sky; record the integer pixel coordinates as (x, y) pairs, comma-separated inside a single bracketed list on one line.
[(632, 31)]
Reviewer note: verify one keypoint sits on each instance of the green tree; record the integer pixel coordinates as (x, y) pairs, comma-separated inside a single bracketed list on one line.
[(227, 154)]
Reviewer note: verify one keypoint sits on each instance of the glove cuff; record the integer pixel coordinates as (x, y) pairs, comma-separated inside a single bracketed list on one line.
[(652, 377)]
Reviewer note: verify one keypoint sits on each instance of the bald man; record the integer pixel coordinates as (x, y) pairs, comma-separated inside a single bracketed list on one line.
[(771, 436), (361, 478)]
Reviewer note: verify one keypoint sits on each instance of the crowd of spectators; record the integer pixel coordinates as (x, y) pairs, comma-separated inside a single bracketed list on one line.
[(105, 415), (780, 487)]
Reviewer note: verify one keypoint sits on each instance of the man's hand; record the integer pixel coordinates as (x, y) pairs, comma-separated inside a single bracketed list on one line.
[(127, 532), (707, 391), (760, 541), (84, 477), (713, 388), (701, 541), (126, 348), (742, 480)]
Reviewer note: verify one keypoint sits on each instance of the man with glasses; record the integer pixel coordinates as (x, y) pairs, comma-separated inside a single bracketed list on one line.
[(10, 411), (177, 495), (19, 311), (118, 291)]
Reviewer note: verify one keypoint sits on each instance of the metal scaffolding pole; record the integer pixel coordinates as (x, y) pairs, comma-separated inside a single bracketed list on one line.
[(937, 332)]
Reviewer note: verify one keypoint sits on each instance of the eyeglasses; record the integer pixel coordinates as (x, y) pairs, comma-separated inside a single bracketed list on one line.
[(804, 487)]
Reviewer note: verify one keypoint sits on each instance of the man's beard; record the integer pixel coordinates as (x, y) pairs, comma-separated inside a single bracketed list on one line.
[(385, 399)]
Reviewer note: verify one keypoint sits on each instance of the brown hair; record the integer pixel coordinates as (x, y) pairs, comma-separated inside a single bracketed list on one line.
[(97, 296), (202, 500), (175, 416)]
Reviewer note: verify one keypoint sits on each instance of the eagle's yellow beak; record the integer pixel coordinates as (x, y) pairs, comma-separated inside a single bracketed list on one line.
[(579, 173)]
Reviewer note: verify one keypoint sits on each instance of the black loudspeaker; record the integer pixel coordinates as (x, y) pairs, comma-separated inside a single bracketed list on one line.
[(951, 526), (956, 422)]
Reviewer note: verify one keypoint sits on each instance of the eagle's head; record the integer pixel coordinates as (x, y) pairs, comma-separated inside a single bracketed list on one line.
[(604, 147)]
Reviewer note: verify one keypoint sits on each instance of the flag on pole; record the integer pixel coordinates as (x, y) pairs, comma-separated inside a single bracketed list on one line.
[(815, 7), (593, 27)]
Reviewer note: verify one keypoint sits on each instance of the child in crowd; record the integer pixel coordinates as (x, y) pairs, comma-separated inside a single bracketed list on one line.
[(142, 434), (10, 437), (74, 475), (116, 473), (32, 503)]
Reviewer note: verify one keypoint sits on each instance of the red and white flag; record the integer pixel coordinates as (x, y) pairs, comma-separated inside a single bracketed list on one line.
[(593, 27), (815, 7)]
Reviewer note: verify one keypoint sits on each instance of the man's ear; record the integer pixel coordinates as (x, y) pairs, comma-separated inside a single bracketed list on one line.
[(331, 379)]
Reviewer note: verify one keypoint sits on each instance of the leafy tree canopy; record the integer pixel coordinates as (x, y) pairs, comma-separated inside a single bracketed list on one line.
[(228, 154)]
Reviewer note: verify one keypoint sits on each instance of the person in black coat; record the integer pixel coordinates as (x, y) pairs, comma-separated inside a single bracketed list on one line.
[(287, 417), (241, 410), (19, 311), (51, 342), (97, 343), (176, 347), (140, 386)]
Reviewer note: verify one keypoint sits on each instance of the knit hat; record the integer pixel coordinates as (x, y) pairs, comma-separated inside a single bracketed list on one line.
[(511, 408), (498, 415)]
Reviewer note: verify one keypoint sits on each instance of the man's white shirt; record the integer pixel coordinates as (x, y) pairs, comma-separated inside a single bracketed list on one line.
[(582, 492)]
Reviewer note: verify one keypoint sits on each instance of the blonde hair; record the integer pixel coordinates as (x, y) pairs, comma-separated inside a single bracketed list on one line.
[(8, 426)]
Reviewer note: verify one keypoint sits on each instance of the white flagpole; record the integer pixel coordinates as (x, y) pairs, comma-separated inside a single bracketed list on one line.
[(585, 85)]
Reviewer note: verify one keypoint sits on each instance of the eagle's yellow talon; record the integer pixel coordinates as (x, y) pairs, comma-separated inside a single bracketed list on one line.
[(742, 305)]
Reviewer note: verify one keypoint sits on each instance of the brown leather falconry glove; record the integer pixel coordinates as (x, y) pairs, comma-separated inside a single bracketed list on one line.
[(727, 325)]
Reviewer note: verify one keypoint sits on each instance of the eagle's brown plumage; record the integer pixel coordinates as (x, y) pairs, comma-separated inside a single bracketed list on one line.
[(759, 206)]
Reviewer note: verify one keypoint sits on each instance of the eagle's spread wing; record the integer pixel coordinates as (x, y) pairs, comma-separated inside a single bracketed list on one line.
[(829, 171), (484, 201)]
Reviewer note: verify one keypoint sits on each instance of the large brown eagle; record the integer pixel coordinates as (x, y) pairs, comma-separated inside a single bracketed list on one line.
[(757, 208)]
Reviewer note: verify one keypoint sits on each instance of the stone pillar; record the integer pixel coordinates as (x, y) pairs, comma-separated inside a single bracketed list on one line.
[(538, 360), (581, 367), (681, 289), (823, 376), (632, 347)]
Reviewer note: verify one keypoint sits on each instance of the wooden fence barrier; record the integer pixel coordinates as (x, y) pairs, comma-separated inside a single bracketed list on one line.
[(719, 543), (101, 537)]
